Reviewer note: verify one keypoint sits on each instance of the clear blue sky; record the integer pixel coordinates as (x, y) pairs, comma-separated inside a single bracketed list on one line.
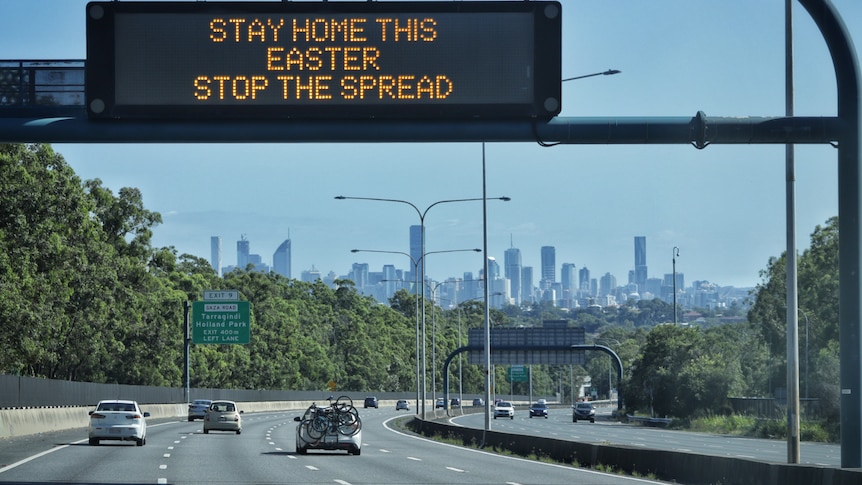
[(724, 206)]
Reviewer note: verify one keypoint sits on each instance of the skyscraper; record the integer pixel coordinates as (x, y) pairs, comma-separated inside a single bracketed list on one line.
[(281, 259), (584, 278), (215, 254), (549, 263), (527, 289), (569, 283), (640, 262), (512, 271), (242, 250), (360, 275)]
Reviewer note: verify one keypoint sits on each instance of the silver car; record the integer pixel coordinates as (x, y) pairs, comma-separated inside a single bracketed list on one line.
[(118, 420), (198, 409), (223, 416)]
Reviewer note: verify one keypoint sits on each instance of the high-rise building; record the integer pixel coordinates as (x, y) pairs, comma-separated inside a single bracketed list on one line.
[(390, 281), (584, 279), (528, 294), (512, 271), (607, 284), (493, 268), (569, 284), (359, 275), (281, 259), (640, 262), (242, 250), (549, 269), (215, 254), (311, 275)]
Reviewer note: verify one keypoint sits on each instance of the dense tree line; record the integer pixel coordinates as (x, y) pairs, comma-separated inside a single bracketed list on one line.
[(85, 296)]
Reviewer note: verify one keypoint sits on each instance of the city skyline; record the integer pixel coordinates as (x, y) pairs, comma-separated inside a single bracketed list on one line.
[(572, 275), (724, 206)]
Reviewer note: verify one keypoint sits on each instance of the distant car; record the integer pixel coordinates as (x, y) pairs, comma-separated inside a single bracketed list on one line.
[(402, 404), (539, 409), (223, 416), (542, 401), (478, 402), (455, 402), (198, 408), (584, 411), (441, 403), (504, 409), (118, 420), (371, 402)]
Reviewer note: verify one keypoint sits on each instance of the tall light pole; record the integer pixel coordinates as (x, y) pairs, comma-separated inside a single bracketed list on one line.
[(675, 255), (416, 291), (416, 262), (422, 214), (460, 344)]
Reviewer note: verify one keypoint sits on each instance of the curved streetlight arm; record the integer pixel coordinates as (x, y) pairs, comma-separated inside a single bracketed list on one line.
[(416, 261), (420, 212), (609, 72), (504, 199)]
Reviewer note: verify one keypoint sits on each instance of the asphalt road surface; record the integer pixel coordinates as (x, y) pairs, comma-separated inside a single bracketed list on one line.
[(177, 452)]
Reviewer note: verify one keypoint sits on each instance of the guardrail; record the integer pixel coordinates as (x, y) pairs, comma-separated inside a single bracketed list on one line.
[(41, 87)]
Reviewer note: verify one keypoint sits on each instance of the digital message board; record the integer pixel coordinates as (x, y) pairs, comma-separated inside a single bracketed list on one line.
[(334, 60)]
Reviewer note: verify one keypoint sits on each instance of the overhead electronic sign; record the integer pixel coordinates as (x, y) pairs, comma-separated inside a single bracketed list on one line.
[(323, 60)]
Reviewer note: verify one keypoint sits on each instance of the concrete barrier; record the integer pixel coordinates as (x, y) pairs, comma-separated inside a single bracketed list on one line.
[(22, 422), (689, 468)]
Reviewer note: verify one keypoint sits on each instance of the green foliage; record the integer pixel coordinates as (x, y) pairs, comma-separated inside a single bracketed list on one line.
[(817, 280), (84, 296)]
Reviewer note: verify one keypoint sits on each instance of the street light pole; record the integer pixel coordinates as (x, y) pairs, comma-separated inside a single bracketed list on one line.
[(416, 262), (675, 255), (416, 291), (422, 215)]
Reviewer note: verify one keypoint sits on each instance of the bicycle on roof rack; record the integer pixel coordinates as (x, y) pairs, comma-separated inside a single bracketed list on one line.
[(333, 427)]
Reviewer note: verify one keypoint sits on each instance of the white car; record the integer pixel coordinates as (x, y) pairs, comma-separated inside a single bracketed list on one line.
[(118, 420), (504, 409)]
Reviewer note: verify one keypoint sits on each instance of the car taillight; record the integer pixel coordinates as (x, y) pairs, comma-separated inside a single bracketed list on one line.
[(133, 416), (97, 416)]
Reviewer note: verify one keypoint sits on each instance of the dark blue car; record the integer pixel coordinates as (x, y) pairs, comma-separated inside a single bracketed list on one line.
[(539, 409)]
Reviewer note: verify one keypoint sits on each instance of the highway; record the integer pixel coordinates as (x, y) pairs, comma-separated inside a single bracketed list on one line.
[(177, 452), (559, 425)]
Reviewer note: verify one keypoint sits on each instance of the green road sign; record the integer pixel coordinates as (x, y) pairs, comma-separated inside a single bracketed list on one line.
[(517, 373), (220, 322)]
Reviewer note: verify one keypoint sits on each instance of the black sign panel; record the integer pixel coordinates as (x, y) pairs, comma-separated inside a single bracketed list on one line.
[(279, 60)]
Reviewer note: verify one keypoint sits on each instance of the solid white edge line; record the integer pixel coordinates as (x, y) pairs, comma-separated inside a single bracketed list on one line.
[(58, 448), (38, 455), (473, 450)]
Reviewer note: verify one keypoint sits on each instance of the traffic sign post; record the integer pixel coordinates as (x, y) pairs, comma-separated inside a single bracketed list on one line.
[(221, 322), (517, 373)]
